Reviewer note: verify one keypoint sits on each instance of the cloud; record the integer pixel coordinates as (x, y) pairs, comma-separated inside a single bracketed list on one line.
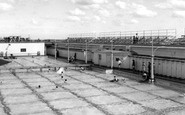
[(134, 21), (142, 11), (97, 18), (172, 4), (72, 19), (104, 12), (5, 6), (177, 7), (179, 13), (77, 12), (179, 4), (89, 2), (11, 1), (34, 22), (121, 4), (163, 5), (99, 1)]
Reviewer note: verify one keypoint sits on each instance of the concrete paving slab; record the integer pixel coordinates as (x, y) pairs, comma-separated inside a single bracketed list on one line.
[(131, 83), (4, 71), (137, 96), (78, 86), (10, 86), (72, 81), (124, 108), (83, 77), (90, 92), (91, 72), (20, 99), (105, 76), (160, 104), (73, 73), (9, 92), (82, 111), (41, 83), (43, 113), (57, 95), (6, 77), (28, 108), (29, 75), (121, 89), (178, 112), (104, 84), (92, 80), (45, 89), (30, 80), (165, 93), (105, 99), (2, 111), (180, 99), (147, 87), (13, 82), (68, 103)]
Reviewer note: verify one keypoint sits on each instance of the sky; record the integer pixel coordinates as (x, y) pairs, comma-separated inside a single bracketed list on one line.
[(56, 19)]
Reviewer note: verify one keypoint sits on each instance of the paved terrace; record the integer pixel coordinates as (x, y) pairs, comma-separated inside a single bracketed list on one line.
[(84, 93)]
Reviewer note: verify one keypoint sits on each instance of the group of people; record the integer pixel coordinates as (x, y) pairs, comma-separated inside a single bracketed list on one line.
[(145, 74), (72, 59)]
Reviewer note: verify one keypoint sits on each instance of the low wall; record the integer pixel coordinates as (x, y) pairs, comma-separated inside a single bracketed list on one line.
[(22, 49)]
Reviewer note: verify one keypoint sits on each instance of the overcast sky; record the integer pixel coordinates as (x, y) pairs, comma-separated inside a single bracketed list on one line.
[(56, 18)]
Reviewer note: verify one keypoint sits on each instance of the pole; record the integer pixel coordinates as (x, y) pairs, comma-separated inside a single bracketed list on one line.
[(68, 50), (111, 54), (86, 52), (55, 50), (152, 63)]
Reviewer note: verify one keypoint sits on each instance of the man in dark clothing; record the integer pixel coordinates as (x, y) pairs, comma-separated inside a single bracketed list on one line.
[(75, 57), (149, 71), (133, 65)]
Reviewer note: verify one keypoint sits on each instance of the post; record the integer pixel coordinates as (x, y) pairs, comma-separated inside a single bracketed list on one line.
[(86, 52), (68, 50), (152, 63), (112, 54), (55, 50)]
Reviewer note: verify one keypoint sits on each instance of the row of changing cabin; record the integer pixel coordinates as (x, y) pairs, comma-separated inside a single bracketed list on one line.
[(162, 66)]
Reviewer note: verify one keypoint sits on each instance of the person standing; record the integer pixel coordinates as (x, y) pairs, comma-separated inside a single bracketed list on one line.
[(149, 70), (75, 56), (143, 67), (119, 63), (133, 65)]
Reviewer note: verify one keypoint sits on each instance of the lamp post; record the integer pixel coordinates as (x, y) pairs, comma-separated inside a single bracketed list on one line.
[(86, 49), (68, 50), (152, 62), (112, 54), (55, 49), (86, 52), (6, 54)]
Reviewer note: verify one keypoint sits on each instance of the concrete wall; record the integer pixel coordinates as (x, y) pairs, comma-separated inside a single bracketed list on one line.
[(15, 48), (165, 67), (172, 52), (64, 53)]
